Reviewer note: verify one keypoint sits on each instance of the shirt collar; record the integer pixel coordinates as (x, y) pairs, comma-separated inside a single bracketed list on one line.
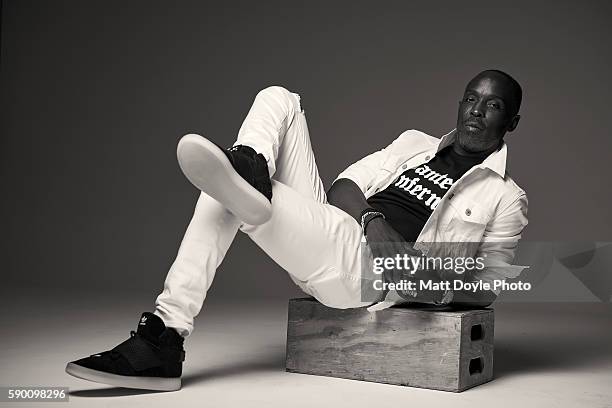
[(496, 161)]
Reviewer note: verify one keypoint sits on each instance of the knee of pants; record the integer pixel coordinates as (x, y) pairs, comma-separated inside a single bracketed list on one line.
[(282, 95)]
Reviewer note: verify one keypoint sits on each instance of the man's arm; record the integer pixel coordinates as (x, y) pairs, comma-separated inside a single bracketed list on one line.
[(346, 195), (365, 171), (499, 242), (497, 249), (349, 189)]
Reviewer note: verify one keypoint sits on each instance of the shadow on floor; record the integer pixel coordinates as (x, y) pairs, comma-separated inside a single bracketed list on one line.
[(274, 360), (549, 353)]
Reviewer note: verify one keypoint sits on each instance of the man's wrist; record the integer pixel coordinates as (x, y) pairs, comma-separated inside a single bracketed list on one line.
[(368, 215)]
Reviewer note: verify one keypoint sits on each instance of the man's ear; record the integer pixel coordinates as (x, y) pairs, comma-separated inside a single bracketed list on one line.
[(514, 123)]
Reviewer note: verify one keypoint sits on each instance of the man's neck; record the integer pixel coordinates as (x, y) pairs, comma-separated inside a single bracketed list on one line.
[(462, 152)]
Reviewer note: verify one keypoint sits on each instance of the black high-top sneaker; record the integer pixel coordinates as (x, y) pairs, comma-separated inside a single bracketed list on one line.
[(237, 177), (252, 167), (152, 359)]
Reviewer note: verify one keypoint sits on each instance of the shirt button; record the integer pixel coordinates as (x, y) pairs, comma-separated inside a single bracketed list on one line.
[(404, 166), (468, 212), (427, 157)]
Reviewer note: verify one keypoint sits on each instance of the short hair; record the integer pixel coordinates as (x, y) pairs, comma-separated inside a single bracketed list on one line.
[(518, 91)]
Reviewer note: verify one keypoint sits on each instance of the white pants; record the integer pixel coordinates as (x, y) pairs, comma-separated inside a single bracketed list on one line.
[(316, 243)]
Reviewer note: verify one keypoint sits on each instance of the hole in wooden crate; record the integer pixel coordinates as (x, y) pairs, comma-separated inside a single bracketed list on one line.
[(475, 365), (477, 332)]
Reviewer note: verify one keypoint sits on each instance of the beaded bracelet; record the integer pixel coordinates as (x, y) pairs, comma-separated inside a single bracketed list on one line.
[(368, 215)]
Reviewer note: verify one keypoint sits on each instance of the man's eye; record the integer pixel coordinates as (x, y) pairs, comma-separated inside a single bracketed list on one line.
[(470, 99), (495, 105)]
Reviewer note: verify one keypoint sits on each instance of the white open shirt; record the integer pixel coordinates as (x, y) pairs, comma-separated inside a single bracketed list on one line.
[(484, 206)]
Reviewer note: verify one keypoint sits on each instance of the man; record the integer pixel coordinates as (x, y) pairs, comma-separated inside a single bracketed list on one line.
[(418, 189)]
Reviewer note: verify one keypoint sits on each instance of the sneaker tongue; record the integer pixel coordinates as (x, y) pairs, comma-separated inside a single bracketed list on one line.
[(150, 326)]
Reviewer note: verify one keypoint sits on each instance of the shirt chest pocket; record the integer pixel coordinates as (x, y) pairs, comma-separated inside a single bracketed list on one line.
[(468, 220)]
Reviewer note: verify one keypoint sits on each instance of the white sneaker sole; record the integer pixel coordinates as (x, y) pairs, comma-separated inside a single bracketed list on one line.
[(126, 381), (206, 167)]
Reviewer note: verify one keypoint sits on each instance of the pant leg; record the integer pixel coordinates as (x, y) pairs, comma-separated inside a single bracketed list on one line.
[(212, 228), (316, 243), (276, 127), (205, 243)]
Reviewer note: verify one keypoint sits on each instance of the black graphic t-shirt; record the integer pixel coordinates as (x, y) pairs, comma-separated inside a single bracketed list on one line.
[(409, 201)]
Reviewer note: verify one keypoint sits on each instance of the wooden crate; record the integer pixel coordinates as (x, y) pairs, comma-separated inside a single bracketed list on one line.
[(417, 347)]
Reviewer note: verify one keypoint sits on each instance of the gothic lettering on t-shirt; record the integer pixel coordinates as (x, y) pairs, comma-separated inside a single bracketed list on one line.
[(409, 201)]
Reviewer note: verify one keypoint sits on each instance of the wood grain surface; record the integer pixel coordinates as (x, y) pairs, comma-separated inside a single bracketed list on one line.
[(404, 346)]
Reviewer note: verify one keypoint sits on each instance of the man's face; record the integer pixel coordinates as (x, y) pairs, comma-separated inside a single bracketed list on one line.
[(486, 112)]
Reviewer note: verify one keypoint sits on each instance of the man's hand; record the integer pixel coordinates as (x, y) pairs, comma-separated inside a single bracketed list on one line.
[(382, 239), (347, 196), (385, 242)]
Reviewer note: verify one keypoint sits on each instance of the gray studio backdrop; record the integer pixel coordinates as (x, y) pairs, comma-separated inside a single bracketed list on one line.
[(96, 94)]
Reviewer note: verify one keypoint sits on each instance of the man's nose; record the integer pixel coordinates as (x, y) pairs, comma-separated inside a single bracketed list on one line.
[(476, 109)]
